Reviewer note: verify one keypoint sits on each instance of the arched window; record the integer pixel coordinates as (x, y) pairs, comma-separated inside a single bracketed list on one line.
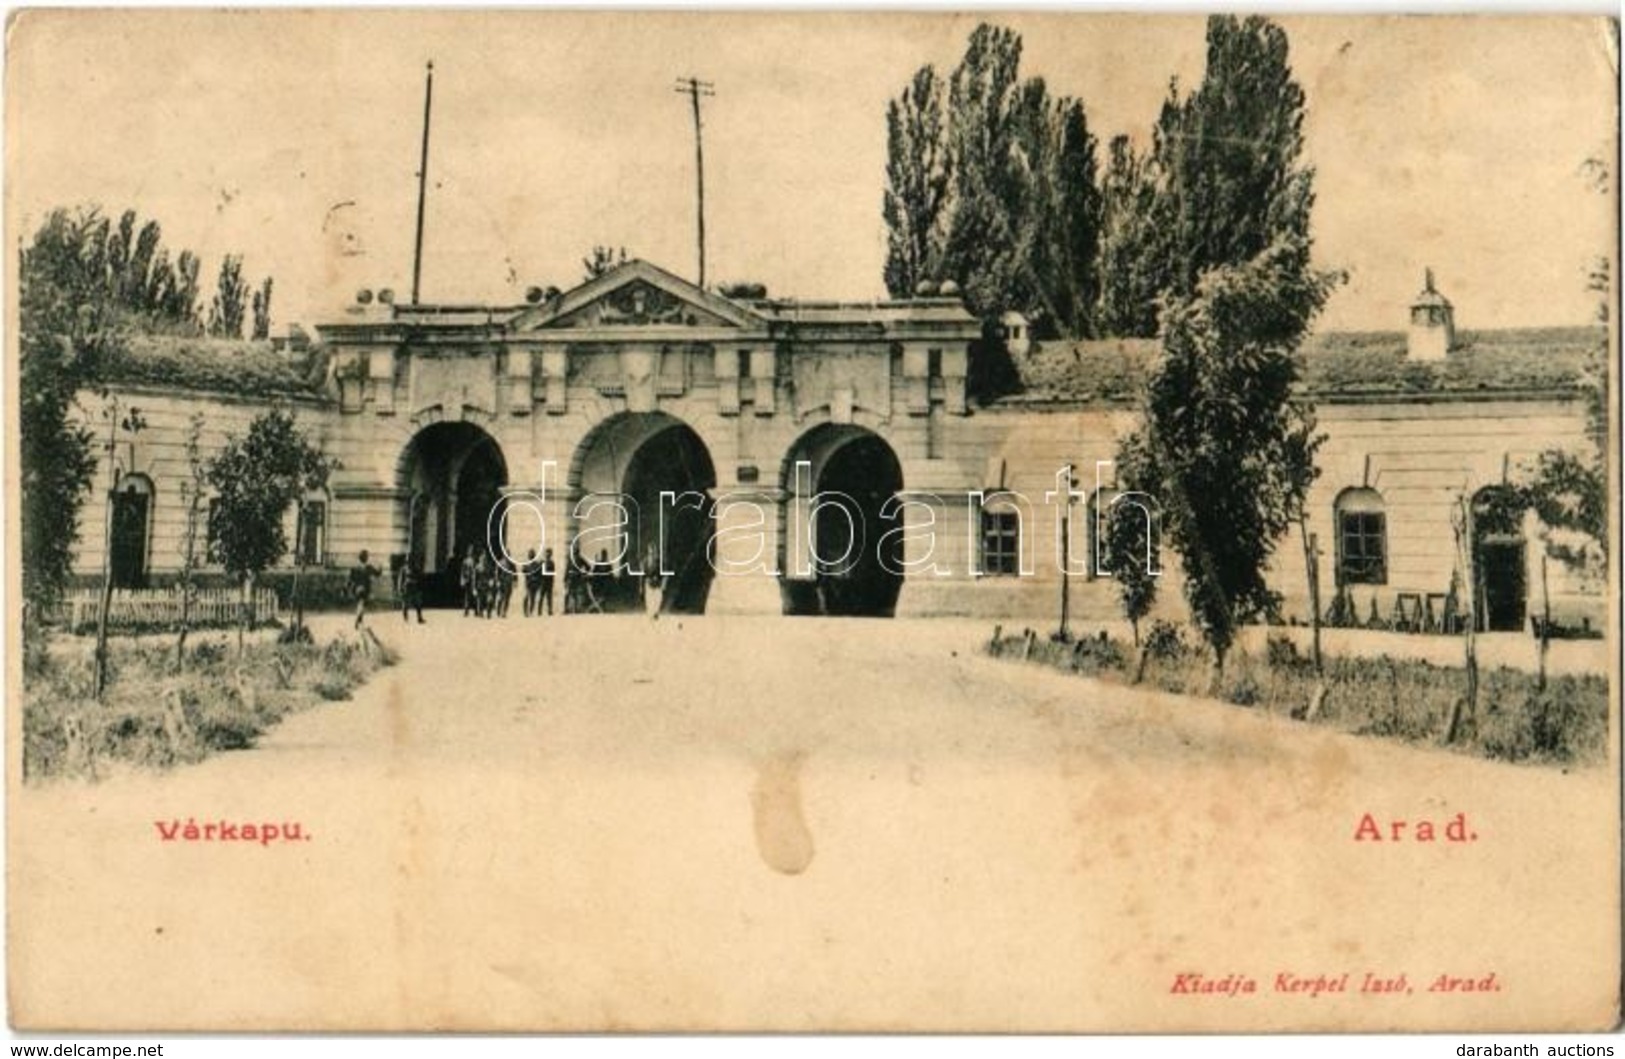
[(132, 524), (1362, 538)]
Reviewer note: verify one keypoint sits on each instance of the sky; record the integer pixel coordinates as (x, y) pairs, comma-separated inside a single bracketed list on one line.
[(292, 138)]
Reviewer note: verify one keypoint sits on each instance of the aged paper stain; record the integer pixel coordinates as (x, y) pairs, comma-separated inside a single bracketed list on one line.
[(782, 837)]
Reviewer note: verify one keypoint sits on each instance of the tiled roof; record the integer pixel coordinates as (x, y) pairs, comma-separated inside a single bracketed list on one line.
[(1530, 359), (1336, 364), (1101, 370), (244, 368)]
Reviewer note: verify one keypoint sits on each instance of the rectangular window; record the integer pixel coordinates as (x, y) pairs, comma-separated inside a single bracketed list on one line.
[(313, 534), (211, 533), (1363, 558), (1001, 543)]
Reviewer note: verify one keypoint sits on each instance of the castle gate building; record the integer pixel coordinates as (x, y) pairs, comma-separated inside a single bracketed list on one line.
[(771, 456)]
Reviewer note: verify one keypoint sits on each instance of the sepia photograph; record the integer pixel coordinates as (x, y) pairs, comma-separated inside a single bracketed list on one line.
[(528, 521)]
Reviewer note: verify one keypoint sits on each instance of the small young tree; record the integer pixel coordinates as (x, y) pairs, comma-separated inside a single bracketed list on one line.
[(193, 488), (313, 473), (256, 479), (1130, 522)]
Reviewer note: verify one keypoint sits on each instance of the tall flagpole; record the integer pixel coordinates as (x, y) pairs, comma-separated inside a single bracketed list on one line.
[(423, 183)]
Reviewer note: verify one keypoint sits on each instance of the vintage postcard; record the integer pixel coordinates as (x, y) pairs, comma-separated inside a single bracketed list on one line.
[(647, 521)]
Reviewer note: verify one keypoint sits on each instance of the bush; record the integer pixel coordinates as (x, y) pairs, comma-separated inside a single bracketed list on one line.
[(227, 725), (1241, 686), (1164, 641), (1282, 653)]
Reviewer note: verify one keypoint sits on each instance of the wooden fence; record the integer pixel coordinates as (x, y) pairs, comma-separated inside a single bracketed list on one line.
[(162, 606)]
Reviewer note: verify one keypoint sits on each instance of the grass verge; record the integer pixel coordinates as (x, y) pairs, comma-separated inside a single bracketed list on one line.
[(156, 715), (1566, 723)]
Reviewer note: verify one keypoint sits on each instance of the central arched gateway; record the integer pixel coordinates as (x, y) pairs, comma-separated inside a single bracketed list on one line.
[(839, 552), (641, 485), (451, 477)]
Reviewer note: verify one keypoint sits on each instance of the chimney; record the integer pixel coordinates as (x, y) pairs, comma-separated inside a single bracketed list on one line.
[(1433, 324)]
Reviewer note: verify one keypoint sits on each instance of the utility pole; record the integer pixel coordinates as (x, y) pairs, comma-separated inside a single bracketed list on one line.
[(1064, 633), (423, 183), (1311, 563), (694, 89)]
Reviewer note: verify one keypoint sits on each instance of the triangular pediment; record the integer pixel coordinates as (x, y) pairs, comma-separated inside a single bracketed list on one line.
[(636, 295)]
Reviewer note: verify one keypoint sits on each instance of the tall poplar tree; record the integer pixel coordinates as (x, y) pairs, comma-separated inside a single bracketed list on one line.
[(916, 201), (991, 183), (1228, 445)]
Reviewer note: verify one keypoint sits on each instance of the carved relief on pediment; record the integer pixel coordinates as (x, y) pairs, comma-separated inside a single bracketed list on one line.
[(640, 304)]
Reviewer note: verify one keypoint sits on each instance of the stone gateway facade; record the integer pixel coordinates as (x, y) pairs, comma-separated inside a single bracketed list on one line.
[(772, 456)]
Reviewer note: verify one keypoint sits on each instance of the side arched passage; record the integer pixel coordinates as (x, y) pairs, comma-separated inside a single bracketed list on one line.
[(841, 549)]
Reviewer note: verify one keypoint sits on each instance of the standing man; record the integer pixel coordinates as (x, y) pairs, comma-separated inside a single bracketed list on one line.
[(532, 571), (575, 579), (545, 578), (504, 576), (410, 588), (361, 575), (476, 582), (466, 579)]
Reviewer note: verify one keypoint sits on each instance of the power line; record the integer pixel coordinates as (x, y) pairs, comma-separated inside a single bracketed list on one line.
[(694, 89)]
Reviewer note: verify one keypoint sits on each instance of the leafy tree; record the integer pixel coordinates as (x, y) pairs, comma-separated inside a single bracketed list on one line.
[(1570, 493), (84, 283), (601, 260), (256, 479), (1079, 213), (1227, 157), (1132, 258), (1569, 490), (172, 288), (1227, 445), (916, 202), (262, 310), (64, 314), (991, 183), (231, 298), (1228, 449), (981, 250)]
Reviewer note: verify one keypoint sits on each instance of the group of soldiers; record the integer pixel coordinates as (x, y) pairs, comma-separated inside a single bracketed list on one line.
[(488, 586)]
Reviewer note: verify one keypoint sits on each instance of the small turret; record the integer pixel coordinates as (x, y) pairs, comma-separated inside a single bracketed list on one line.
[(1016, 333), (1433, 324)]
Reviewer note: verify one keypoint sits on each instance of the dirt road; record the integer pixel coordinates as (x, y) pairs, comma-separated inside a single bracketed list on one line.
[(798, 823)]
